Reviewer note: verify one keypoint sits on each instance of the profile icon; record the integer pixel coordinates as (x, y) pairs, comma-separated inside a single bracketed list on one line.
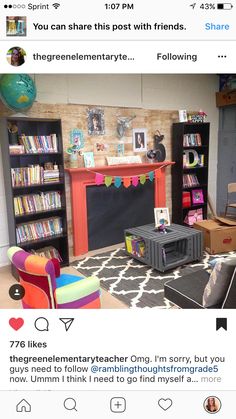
[(212, 404), (16, 56)]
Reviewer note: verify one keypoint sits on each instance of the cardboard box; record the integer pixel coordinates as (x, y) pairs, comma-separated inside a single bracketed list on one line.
[(219, 234)]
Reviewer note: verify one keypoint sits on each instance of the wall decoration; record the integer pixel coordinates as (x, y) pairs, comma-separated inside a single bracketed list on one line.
[(111, 161), (139, 140), (197, 196), (96, 124), (89, 159), (158, 154), (120, 148), (101, 148), (77, 138), (123, 123), (161, 217)]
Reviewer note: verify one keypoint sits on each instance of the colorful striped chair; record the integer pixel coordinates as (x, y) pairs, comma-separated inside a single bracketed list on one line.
[(46, 288)]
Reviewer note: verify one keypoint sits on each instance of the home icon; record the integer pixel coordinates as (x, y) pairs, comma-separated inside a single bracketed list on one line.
[(23, 406)]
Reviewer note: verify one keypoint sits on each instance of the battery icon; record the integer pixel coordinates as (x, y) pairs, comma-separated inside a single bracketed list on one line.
[(224, 6)]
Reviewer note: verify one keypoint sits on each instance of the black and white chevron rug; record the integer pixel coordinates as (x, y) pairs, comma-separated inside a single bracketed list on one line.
[(132, 282)]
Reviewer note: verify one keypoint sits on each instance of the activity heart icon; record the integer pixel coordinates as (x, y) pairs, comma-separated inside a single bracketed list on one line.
[(16, 324), (165, 404)]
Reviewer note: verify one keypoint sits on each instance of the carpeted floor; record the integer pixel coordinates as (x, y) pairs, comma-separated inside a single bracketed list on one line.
[(132, 282)]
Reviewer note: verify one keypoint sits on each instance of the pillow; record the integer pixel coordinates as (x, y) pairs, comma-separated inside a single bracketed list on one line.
[(216, 288), (213, 262)]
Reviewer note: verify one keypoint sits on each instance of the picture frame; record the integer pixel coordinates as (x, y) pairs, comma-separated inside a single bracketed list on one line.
[(139, 140), (197, 196), (161, 216), (101, 148), (96, 123), (89, 159), (77, 138), (183, 116)]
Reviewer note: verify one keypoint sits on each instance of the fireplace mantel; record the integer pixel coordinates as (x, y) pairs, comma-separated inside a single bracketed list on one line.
[(82, 177)]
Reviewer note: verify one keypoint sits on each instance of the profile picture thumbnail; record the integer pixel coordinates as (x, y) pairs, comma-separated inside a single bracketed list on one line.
[(16, 56), (16, 25), (212, 404)]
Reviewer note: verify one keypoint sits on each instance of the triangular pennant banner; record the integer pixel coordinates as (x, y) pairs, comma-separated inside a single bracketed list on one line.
[(99, 178), (151, 176), (142, 179), (126, 182), (108, 180), (117, 181), (135, 181)]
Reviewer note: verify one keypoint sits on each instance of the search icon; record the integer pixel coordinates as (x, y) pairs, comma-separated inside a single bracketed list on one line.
[(41, 324), (70, 404)]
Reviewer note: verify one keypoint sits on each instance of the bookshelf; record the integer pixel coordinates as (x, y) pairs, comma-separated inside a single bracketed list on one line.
[(33, 167), (190, 151)]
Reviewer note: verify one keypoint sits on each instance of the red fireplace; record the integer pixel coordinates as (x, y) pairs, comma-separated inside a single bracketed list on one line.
[(81, 178)]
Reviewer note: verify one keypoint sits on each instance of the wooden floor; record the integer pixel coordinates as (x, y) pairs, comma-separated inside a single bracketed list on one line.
[(6, 280)]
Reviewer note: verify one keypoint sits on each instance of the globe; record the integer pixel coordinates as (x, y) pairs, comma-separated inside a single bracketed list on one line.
[(17, 91)]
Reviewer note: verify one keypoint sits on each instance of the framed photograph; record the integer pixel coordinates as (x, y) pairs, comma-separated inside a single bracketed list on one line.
[(161, 217), (89, 159), (139, 140), (96, 124), (183, 117), (197, 196)]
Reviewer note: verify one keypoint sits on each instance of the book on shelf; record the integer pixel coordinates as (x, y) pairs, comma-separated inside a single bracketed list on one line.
[(135, 245), (186, 199), (190, 140), (34, 144), (38, 229), (48, 252), (190, 180), (27, 204), (16, 149), (33, 175), (193, 216)]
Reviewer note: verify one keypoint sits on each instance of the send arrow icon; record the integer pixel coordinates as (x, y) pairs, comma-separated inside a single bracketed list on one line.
[(67, 322)]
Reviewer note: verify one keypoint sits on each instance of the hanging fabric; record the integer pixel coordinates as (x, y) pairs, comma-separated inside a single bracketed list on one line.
[(108, 180), (117, 181), (126, 182), (142, 179)]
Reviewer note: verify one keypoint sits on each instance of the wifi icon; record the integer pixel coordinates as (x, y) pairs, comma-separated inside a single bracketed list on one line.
[(56, 5)]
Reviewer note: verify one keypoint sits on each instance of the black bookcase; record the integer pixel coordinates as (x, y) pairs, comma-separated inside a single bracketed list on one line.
[(180, 172), (35, 127)]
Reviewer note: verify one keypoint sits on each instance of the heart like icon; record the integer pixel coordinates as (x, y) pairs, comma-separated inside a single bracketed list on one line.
[(16, 324), (165, 404)]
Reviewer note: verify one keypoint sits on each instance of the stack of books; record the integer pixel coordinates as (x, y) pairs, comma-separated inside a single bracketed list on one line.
[(190, 180), (190, 140), (38, 229), (48, 252), (50, 176), (39, 143), (33, 175), (16, 149), (27, 204)]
